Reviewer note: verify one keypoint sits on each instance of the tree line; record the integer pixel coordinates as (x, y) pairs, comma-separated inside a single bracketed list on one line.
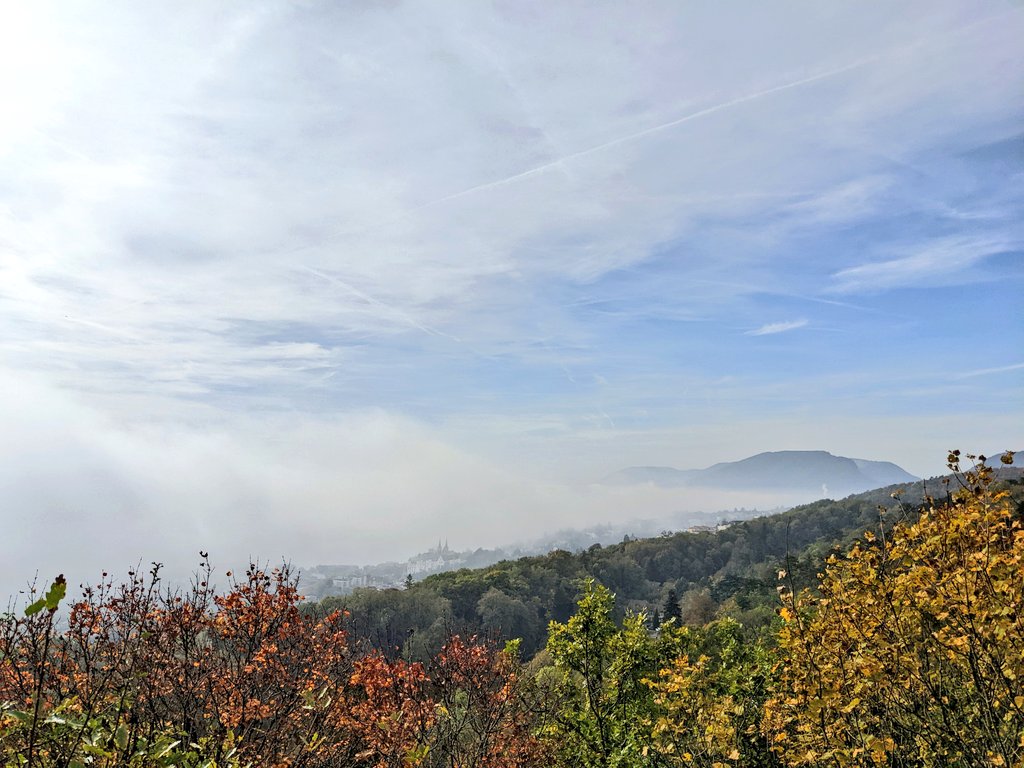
[(691, 576)]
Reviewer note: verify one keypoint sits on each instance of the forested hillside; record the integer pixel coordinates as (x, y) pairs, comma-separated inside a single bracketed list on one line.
[(729, 572)]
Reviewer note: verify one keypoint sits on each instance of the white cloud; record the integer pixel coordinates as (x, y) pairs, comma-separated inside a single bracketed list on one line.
[(990, 371), (771, 328), (849, 201), (198, 165), (924, 265), (221, 224)]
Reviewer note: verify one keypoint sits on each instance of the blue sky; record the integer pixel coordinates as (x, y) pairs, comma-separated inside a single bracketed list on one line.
[(326, 281)]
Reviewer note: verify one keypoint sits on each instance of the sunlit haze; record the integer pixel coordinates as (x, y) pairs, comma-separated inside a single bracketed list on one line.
[(328, 281)]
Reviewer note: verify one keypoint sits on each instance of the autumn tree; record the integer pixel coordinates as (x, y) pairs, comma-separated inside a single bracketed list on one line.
[(709, 699), (911, 653), (137, 675), (484, 715), (239, 674)]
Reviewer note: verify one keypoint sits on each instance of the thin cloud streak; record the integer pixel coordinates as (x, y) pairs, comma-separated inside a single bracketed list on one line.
[(928, 262), (644, 133), (714, 109), (773, 328), (388, 310), (596, 149), (990, 371)]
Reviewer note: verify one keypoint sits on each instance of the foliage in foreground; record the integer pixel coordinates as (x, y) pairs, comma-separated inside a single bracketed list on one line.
[(140, 676), (680, 697), (909, 653)]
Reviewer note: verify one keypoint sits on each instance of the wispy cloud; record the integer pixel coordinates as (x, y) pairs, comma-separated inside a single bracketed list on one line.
[(653, 130), (213, 220), (772, 328), (990, 371), (924, 265)]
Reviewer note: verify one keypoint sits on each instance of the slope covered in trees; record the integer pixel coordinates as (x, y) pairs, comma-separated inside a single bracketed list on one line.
[(729, 572)]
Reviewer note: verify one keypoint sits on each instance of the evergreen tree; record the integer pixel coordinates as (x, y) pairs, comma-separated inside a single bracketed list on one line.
[(670, 609)]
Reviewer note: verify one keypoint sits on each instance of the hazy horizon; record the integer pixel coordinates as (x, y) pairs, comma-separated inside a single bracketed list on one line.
[(324, 282)]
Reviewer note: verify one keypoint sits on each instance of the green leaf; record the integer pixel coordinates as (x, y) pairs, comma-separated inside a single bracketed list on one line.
[(121, 737), (57, 591), (165, 749), (51, 599)]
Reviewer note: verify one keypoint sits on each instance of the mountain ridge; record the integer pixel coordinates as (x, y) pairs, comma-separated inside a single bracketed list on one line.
[(797, 471)]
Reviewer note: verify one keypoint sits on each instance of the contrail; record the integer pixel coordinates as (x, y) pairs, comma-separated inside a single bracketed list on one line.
[(105, 328), (395, 311), (647, 132), (701, 113), (988, 371), (595, 149)]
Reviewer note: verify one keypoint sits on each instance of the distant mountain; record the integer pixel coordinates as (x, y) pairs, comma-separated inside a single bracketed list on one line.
[(803, 472)]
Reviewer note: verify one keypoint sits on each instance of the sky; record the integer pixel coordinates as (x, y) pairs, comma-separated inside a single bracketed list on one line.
[(327, 281)]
